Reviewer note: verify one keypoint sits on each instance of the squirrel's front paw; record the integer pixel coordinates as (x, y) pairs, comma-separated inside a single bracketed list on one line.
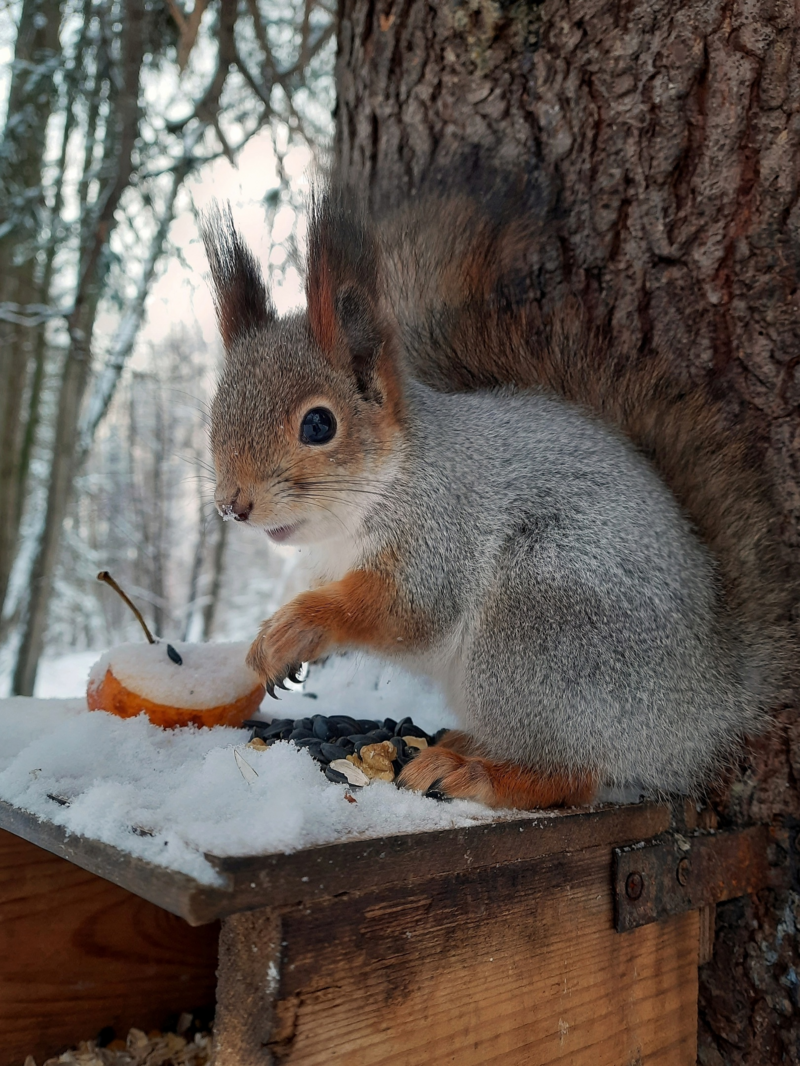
[(283, 644)]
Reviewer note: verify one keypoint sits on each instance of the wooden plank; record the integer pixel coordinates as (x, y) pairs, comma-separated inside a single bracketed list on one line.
[(513, 965), (314, 873), (77, 953), (168, 889)]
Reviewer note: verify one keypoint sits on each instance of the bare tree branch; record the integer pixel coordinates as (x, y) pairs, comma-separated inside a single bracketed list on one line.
[(207, 107), (187, 28)]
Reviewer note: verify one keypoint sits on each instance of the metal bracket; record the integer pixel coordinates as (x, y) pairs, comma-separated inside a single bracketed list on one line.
[(656, 879)]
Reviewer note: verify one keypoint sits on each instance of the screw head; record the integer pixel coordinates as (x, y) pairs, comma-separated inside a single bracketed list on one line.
[(683, 871), (634, 885)]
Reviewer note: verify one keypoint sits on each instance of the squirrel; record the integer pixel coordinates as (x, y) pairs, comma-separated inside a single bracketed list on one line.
[(569, 540)]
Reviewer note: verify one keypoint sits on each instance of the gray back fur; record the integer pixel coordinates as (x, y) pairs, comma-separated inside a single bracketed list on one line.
[(577, 612)]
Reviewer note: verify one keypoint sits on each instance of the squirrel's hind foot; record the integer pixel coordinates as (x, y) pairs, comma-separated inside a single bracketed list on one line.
[(447, 774)]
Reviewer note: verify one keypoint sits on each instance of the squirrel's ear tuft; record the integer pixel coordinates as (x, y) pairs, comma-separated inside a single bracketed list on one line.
[(343, 285), (240, 295)]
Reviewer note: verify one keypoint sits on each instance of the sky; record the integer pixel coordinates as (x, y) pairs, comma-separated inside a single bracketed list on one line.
[(181, 293)]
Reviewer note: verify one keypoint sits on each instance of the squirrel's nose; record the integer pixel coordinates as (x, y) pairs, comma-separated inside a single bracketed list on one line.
[(241, 511), (235, 509)]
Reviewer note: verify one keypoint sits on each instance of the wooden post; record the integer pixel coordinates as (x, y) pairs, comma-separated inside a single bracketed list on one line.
[(249, 968)]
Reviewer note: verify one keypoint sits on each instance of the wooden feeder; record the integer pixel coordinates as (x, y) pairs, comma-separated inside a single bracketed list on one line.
[(557, 937)]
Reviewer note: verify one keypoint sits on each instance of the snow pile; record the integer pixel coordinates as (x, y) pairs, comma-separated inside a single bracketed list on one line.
[(210, 674), (170, 795)]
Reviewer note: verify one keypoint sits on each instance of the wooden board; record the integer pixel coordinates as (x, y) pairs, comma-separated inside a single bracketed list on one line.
[(315, 873), (513, 965), (77, 953)]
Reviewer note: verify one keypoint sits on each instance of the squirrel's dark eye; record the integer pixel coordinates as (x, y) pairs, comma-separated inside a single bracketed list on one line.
[(318, 426)]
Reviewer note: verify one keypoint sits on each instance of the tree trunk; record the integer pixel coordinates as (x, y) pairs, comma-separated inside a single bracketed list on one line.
[(30, 102), (210, 607), (665, 141), (121, 134)]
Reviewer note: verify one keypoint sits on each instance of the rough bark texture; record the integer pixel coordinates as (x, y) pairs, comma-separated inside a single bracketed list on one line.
[(665, 140), (121, 136), (22, 150)]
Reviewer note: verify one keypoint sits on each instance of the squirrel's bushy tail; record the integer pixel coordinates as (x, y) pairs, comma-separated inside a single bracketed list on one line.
[(455, 270)]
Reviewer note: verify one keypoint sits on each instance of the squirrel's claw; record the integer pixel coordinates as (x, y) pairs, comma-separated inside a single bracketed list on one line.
[(436, 792), (283, 644), (295, 670)]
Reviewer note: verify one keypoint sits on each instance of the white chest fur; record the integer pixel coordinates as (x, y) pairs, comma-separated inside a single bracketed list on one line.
[(329, 560)]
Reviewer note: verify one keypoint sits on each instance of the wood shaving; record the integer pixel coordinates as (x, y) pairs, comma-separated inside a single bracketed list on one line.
[(140, 1049)]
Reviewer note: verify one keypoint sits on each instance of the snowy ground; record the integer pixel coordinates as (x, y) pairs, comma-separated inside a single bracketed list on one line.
[(170, 796)]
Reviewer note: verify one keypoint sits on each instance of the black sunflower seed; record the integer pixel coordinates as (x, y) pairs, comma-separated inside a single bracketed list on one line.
[(314, 749), (303, 742), (255, 724), (300, 734), (174, 655), (277, 728), (333, 751), (408, 729), (344, 719), (377, 736), (320, 727)]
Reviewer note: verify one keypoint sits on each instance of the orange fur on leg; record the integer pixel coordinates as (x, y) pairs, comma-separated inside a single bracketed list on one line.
[(497, 784), (459, 742), (360, 611)]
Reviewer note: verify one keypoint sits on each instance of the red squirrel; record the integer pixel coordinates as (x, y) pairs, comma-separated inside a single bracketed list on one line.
[(572, 543)]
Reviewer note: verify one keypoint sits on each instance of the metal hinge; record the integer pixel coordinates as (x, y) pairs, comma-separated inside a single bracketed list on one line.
[(676, 873)]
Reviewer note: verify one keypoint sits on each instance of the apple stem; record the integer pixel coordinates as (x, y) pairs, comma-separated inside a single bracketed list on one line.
[(109, 580)]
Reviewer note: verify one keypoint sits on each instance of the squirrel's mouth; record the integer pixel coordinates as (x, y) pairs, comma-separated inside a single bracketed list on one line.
[(282, 533)]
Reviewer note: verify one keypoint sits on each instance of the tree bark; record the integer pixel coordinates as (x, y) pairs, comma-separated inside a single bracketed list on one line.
[(121, 134), (664, 138), (30, 103), (210, 607)]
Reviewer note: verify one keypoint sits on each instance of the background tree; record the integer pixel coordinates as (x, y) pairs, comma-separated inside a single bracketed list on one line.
[(31, 99), (113, 104), (665, 143)]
